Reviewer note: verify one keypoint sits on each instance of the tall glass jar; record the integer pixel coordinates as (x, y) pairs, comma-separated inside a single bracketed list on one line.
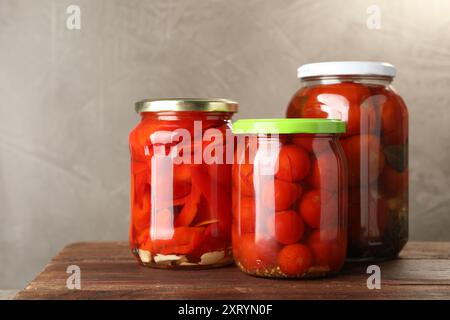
[(375, 145), (289, 198), (181, 183)]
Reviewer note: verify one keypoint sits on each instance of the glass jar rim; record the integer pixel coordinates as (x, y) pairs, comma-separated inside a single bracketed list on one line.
[(186, 104), (289, 126)]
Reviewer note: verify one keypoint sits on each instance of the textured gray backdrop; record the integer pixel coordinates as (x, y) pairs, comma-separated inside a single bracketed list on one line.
[(66, 98)]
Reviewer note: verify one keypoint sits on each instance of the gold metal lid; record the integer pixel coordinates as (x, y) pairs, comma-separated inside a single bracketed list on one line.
[(188, 104)]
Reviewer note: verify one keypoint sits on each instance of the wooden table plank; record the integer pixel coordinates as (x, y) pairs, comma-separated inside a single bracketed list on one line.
[(109, 271)]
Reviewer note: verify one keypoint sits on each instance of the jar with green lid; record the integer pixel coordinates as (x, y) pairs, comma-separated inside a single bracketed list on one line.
[(289, 197)]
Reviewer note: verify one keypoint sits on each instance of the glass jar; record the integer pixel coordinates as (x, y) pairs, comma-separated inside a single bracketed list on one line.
[(289, 182), (181, 183), (375, 145)]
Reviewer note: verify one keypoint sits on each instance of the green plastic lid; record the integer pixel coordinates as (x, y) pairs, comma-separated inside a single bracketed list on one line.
[(291, 125)]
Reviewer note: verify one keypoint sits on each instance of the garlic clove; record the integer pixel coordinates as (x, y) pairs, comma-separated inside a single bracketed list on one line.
[(161, 258), (212, 257), (144, 255)]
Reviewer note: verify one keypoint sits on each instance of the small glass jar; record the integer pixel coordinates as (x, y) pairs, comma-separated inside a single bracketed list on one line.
[(375, 145), (289, 183), (181, 183)]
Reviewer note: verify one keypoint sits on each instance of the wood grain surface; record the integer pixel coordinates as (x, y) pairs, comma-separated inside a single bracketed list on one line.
[(109, 271)]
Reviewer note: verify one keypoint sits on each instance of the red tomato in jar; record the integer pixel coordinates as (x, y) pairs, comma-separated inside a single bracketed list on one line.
[(257, 253), (297, 103), (327, 248), (346, 101), (362, 119), (294, 259), (287, 227), (319, 209), (235, 239), (243, 165), (280, 195), (246, 216), (365, 158), (267, 250), (325, 172), (293, 163), (394, 119), (248, 256)]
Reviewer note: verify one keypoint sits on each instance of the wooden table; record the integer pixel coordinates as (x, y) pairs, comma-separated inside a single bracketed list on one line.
[(109, 271)]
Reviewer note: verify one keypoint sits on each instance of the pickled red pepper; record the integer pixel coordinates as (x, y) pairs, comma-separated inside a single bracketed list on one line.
[(181, 183)]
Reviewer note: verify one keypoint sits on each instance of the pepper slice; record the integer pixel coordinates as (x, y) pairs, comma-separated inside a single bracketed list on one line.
[(184, 241), (189, 210), (217, 198)]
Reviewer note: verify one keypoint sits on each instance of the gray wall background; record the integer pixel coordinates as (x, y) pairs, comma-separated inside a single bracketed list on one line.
[(66, 98)]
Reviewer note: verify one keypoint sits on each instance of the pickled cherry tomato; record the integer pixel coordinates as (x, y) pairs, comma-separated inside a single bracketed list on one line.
[(247, 214), (365, 158), (280, 195), (247, 253), (353, 92), (257, 253), (394, 120), (324, 172), (287, 227), (346, 101), (235, 238), (267, 250), (294, 259), (293, 163), (325, 250), (362, 118), (297, 103), (318, 208)]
